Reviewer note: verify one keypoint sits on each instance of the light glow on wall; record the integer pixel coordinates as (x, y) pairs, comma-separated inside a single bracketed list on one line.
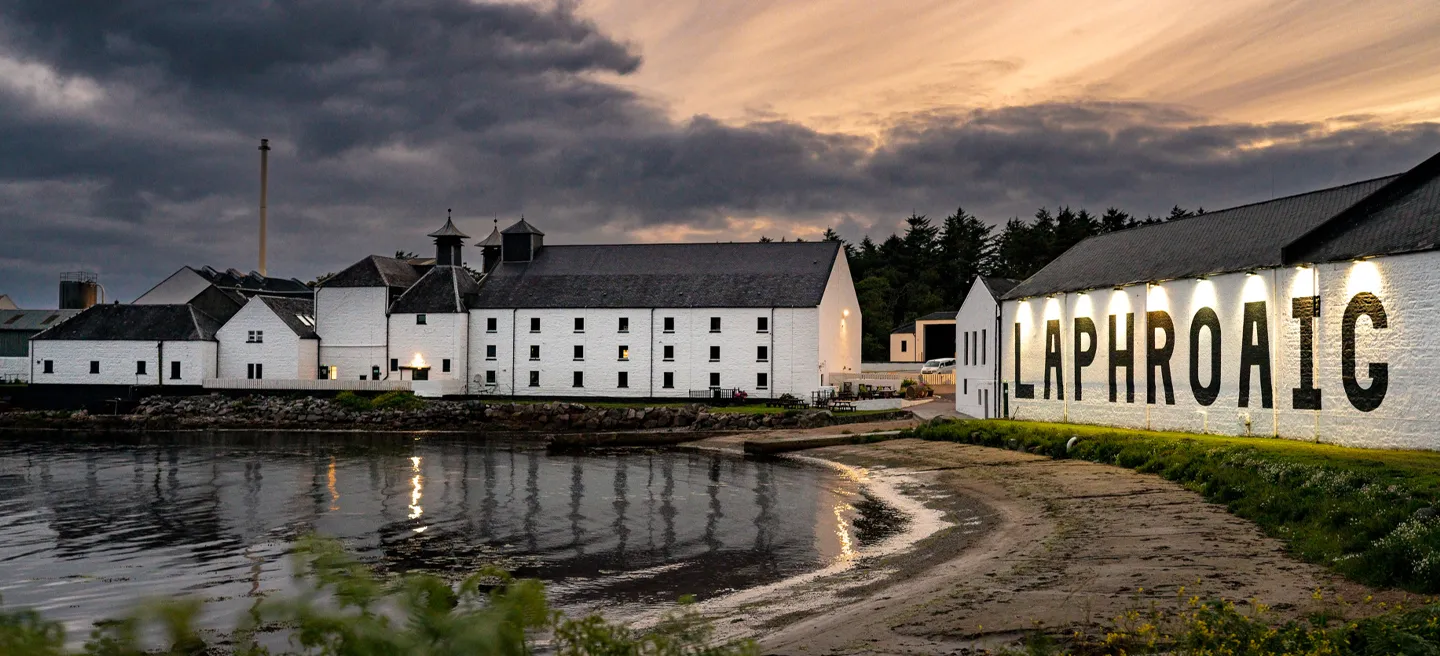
[(1304, 283), (1083, 306), (1024, 317), (1156, 298), (1254, 289), (1052, 308), (1119, 306), (1364, 276), (1204, 295), (418, 362)]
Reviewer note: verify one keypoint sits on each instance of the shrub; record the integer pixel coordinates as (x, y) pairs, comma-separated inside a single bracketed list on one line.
[(352, 401), (397, 400)]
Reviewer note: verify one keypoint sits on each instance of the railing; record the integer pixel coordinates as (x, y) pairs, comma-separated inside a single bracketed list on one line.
[(938, 379), (323, 384)]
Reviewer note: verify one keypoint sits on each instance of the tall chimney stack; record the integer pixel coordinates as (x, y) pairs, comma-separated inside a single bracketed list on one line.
[(264, 180)]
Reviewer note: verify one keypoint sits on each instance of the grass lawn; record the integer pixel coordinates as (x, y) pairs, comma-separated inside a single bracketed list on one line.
[(1352, 510)]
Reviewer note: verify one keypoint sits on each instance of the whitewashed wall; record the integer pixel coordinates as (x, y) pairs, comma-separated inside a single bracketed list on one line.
[(352, 325), (839, 328), (12, 368), (906, 354), (975, 371), (283, 353), (117, 362), (1407, 347), (443, 336)]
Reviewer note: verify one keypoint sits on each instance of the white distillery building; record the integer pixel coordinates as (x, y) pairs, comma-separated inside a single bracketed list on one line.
[(127, 345), (270, 337), (977, 338), (1309, 317)]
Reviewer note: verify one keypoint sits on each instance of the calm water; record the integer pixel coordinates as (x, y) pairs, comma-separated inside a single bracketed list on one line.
[(87, 526)]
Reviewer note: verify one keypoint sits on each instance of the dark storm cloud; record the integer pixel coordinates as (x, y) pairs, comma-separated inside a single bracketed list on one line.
[(131, 150)]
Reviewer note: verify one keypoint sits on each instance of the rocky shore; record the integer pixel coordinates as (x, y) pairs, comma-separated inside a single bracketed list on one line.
[(216, 411)]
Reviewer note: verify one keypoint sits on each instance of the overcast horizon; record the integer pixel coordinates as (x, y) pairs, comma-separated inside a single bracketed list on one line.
[(132, 127)]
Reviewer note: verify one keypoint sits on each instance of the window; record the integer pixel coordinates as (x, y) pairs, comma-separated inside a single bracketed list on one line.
[(982, 351), (965, 386), (669, 324), (139, 367), (579, 352), (967, 348), (490, 377), (255, 337), (579, 324), (492, 324), (445, 365), (534, 324), (257, 371), (762, 324), (534, 379), (579, 379), (489, 351), (624, 324), (714, 354), (762, 354), (669, 353), (534, 351), (902, 346), (394, 364), (714, 380), (94, 366), (624, 352), (419, 319), (714, 324), (174, 370), (624, 380), (762, 381), (669, 380), (49, 367)]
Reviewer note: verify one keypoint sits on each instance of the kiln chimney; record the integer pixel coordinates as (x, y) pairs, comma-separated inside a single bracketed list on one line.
[(264, 179)]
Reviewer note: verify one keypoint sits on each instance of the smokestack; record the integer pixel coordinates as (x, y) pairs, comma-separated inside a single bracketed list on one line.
[(264, 180)]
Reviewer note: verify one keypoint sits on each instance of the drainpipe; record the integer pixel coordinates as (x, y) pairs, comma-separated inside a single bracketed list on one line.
[(160, 367), (1319, 328), (1274, 354), (772, 354), (999, 306), (651, 355), (514, 330)]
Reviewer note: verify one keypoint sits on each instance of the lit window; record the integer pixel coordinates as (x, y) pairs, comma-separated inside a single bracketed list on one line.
[(624, 353)]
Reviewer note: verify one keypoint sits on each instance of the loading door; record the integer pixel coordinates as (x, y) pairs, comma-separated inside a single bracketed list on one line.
[(939, 341)]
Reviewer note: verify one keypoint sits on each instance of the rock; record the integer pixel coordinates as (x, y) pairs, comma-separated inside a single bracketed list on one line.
[(1427, 514)]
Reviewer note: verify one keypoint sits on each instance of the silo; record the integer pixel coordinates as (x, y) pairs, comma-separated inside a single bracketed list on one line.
[(78, 290)]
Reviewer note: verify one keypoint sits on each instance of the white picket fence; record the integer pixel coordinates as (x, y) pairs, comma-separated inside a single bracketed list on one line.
[(355, 385)]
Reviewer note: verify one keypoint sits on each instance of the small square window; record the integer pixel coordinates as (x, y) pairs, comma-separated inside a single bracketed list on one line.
[(762, 354), (669, 352), (394, 364), (139, 367), (492, 324), (762, 324), (714, 324), (534, 351), (624, 353), (669, 380), (534, 379), (445, 365), (714, 354), (624, 324), (624, 380), (419, 319), (579, 379), (489, 351), (762, 381), (94, 366), (579, 324), (49, 367), (669, 324), (534, 324), (714, 380), (579, 352), (490, 377)]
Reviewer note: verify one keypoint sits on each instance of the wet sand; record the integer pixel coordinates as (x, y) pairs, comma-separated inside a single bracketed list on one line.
[(1016, 542)]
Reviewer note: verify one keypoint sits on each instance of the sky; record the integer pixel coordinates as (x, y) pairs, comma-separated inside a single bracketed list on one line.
[(128, 129)]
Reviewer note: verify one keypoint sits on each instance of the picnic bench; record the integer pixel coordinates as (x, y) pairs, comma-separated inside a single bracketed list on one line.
[(842, 406)]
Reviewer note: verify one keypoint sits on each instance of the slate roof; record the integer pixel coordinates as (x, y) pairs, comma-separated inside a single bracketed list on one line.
[(290, 310), (944, 315), (493, 239), (33, 320), (1236, 239), (1404, 217), (250, 284), (906, 328), (522, 227), (448, 230), (444, 289), (998, 286), (136, 323), (375, 271), (753, 274)]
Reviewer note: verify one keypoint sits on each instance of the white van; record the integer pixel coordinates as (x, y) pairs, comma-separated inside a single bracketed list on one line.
[(938, 366)]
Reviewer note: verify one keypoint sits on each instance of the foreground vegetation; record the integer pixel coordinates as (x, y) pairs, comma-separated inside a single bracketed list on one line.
[(346, 611), (1369, 515)]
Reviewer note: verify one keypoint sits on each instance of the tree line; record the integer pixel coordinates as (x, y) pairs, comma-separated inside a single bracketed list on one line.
[(930, 267)]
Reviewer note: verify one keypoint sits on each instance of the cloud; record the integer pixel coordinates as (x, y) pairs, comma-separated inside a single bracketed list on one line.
[(130, 133)]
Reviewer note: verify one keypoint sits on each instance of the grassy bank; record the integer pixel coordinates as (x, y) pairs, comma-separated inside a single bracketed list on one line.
[(1369, 515)]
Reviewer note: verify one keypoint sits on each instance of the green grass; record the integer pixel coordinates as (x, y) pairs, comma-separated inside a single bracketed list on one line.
[(1352, 510)]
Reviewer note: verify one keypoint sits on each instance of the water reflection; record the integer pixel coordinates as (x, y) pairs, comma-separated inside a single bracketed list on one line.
[(84, 526)]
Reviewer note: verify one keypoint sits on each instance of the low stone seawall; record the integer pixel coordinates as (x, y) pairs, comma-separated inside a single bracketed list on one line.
[(306, 413)]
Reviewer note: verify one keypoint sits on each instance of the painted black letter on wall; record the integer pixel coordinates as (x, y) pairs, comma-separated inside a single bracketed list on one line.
[(1305, 309), (1205, 318), (1362, 398), (1255, 352), (1084, 357), (1022, 391), (1123, 357), (1159, 357), (1053, 359)]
